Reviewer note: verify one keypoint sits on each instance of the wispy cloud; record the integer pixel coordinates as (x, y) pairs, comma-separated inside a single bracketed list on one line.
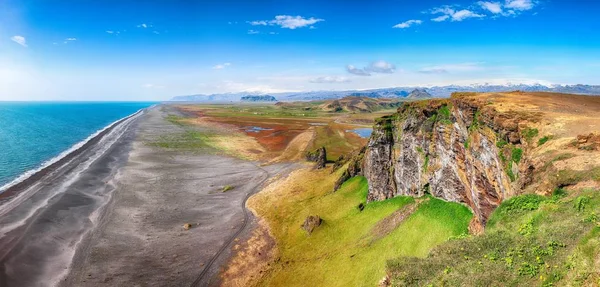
[(71, 39), (480, 9), (375, 67), (144, 25), (19, 40), (407, 24), (253, 32), (258, 23), (152, 86), (453, 15), (287, 22), (329, 80), (452, 68), (221, 66), (440, 18)]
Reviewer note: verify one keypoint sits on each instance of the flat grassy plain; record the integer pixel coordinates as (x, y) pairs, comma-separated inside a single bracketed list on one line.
[(351, 246), (272, 128)]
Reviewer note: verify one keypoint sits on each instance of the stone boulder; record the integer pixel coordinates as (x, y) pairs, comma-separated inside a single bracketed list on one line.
[(311, 223)]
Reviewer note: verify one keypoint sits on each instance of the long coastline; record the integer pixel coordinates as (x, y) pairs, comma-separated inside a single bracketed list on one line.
[(112, 214), (37, 238)]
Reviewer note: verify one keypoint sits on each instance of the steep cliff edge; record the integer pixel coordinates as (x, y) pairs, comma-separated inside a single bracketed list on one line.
[(476, 149)]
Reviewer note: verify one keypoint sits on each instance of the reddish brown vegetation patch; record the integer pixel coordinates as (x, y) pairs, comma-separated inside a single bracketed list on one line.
[(274, 135)]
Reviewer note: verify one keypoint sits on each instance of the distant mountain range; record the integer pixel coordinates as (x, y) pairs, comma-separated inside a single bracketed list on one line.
[(264, 98), (398, 92)]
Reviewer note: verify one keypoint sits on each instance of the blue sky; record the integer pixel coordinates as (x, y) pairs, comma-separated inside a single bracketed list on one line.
[(153, 50)]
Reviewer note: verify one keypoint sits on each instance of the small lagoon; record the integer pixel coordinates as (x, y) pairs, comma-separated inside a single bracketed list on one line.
[(254, 129), (362, 132)]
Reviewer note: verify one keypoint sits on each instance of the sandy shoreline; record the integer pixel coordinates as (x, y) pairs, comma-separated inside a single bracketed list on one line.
[(115, 217)]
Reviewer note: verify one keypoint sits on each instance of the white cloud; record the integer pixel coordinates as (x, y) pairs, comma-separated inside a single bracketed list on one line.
[(381, 67), (357, 71), (521, 5), (440, 18), (454, 15), (71, 39), (329, 80), (291, 22), (375, 67), (252, 32), (407, 24), (493, 7), (288, 22), (19, 40), (221, 66), (110, 32), (144, 25)]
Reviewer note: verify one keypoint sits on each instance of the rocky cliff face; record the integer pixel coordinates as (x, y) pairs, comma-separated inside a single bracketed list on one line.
[(457, 149)]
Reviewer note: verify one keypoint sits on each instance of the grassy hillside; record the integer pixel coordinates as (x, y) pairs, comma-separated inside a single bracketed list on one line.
[(530, 241), (351, 247)]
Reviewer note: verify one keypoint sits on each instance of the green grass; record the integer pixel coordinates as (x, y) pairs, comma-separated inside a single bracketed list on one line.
[(476, 123), (344, 251), (189, 140), (543, 140), (501, 143), (516, 155), (334, 143), (227, 188), (529, 133), (529, 241)]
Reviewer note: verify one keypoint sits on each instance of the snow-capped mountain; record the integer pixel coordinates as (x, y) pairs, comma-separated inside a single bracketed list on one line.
[(400, 92)]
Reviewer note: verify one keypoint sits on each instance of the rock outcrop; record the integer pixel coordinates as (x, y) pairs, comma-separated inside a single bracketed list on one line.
[(355, 167), (311, 222), (457, 149), (319, 156)]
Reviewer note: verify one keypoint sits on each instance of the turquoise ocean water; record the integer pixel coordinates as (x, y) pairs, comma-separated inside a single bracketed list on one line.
[(33, 133)]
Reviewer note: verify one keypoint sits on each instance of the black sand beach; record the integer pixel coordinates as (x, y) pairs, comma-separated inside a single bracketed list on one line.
[(113, 214)]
